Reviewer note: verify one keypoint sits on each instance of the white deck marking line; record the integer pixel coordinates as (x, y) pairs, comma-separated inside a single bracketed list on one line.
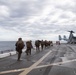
[(17, 70), (55, 64), (26, 71)]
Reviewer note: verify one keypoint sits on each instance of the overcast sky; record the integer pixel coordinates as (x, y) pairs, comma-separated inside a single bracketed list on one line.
[(36, 19)]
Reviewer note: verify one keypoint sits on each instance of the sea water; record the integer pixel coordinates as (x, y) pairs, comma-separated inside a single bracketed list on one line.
[(7, 46)]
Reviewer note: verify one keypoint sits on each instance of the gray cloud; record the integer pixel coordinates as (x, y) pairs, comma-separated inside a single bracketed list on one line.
[(38, 18), (70, 6)]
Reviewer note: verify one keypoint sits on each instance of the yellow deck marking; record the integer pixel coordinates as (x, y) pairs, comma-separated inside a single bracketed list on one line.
[(17, 70), (35, 64), (27, 69)]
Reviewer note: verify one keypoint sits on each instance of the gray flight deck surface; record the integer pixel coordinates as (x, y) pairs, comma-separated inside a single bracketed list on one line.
[(64, 53)]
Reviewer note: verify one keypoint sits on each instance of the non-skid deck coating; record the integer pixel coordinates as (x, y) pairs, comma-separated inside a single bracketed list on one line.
[(56, 60)]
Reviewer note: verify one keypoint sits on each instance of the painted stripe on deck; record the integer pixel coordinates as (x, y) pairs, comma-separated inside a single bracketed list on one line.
[(26, 71), (11, 71), (53, 64), (18, 70)]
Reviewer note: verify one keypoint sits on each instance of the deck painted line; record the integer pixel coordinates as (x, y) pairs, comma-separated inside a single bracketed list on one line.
[(11, 71), (26, 71), (53, 64), (42, 66), (16, 70)]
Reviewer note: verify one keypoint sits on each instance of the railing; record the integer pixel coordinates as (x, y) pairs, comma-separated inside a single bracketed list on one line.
[(6, 51)]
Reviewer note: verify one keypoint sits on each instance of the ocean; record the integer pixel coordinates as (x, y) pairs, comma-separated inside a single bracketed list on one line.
[(7, 46)]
